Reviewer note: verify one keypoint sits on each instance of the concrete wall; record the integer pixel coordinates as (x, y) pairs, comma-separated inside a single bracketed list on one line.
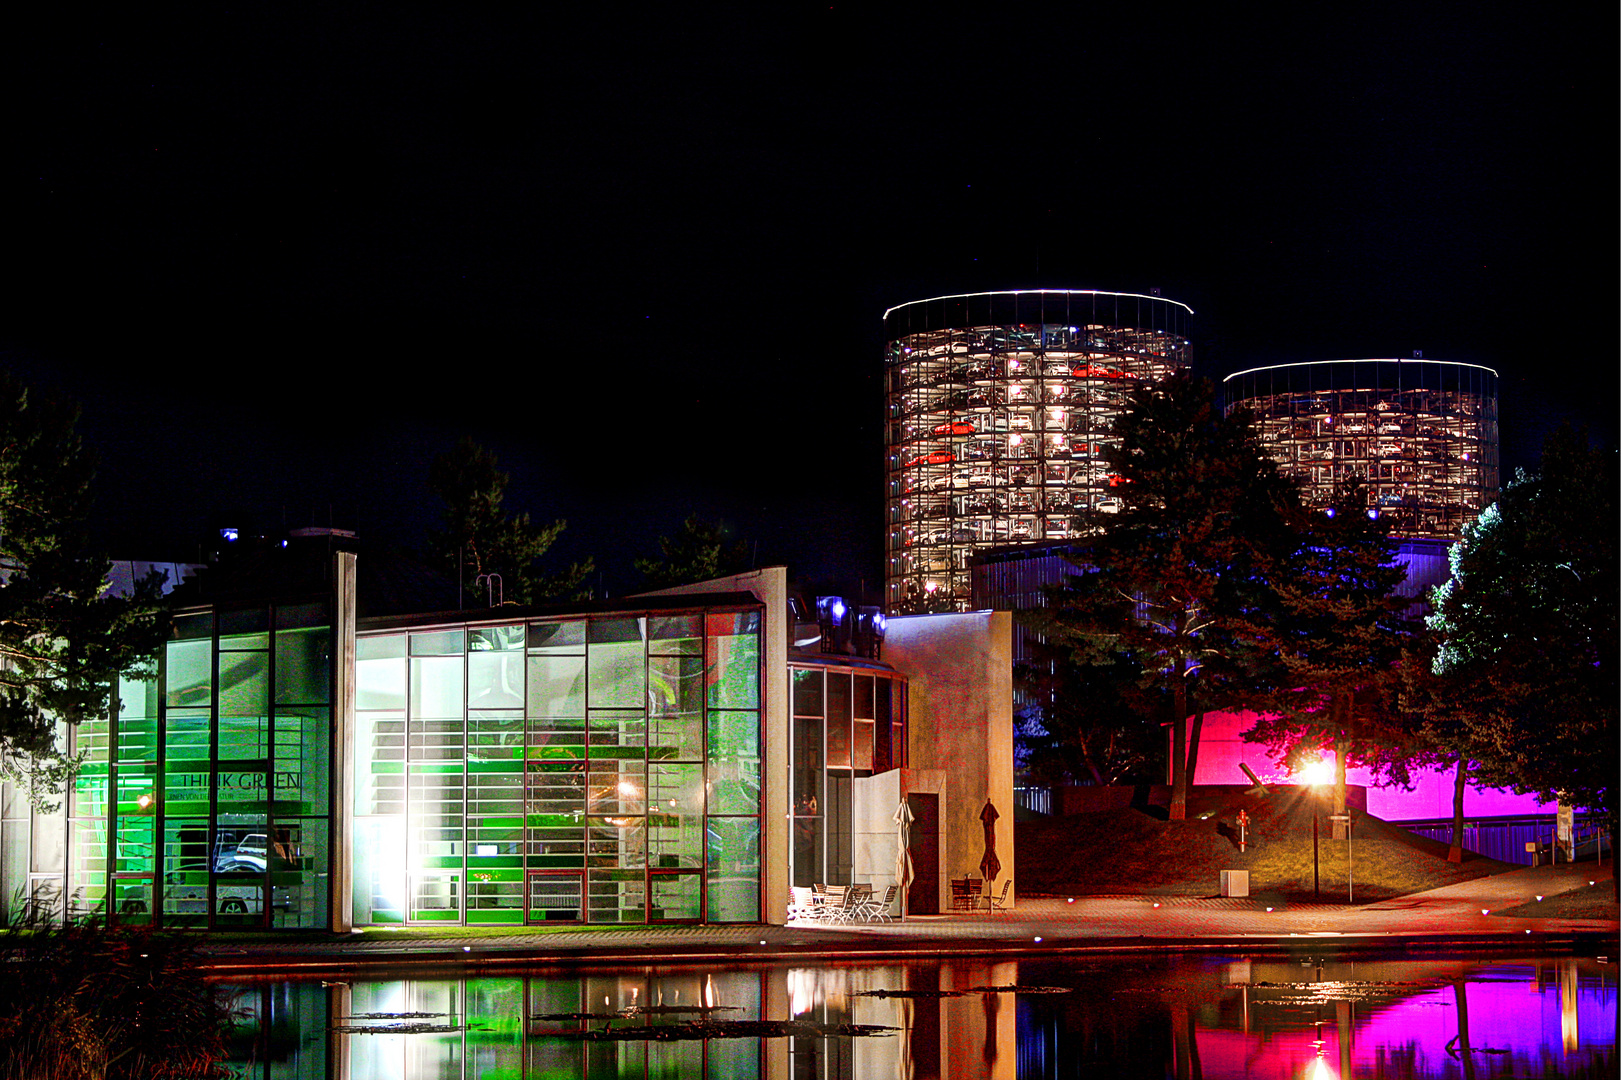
[(959, 670), (770, 585)]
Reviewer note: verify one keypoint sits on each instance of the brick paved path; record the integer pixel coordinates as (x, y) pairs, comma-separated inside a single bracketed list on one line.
[(1450, 917)]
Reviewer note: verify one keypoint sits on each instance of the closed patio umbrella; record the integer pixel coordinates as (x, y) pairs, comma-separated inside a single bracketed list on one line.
[(989, 865), (903, 852)]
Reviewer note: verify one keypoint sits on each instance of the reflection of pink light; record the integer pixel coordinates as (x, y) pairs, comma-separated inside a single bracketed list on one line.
[(1507, 1013)]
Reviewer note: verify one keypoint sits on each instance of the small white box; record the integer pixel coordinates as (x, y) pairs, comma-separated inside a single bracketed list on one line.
[(1235, 883)]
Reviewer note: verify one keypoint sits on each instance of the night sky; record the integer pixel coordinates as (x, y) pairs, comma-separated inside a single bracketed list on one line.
[(284, 260)]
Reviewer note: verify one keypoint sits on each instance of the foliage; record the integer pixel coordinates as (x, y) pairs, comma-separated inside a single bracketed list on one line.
[(1338, 633), (699, 552), (91, 1001), (1436, 713), (1085, 721), (481, 539), (1527, 629), (62, 642), (1174, 576)]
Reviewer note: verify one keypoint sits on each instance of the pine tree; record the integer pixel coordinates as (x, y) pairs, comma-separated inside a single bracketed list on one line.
[(63, 641), (1338, 633), (1172, 580), (699, 552), (480, 539)]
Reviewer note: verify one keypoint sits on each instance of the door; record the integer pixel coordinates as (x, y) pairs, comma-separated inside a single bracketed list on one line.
[(923, 895)]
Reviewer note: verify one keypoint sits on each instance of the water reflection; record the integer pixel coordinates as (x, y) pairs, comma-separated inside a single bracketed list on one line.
[(1185, 1017)]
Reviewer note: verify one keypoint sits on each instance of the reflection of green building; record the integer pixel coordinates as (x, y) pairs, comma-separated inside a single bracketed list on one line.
[(294, 766)]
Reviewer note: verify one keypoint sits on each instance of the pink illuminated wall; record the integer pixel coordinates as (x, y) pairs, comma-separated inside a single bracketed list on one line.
[(1222, 749)]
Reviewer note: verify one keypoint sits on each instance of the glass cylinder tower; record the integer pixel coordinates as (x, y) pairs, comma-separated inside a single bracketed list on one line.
[(1421, 434), (999, 411)]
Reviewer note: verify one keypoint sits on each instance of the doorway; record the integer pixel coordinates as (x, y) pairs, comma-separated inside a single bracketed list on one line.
[(923, 895)]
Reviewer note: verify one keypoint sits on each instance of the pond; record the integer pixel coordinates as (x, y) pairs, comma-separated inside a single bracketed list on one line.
[(1177, 1015)]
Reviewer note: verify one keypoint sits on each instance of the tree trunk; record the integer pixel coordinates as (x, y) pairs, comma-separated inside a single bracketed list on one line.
[(1179, 745), (1455, 852), (1193, 749)]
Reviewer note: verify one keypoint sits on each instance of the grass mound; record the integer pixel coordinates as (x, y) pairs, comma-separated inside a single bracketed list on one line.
[(1135, 851)]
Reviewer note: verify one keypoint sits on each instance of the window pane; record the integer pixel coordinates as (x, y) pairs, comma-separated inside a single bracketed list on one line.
[(299, 768), (436, 740), (244, 683), (862, 708), (676, 897), (734, 671), (556, 686), (617, 787), (380, 763), (298, 878), (185, 871), (675, 635), (734, 869), (676, 697), (380, 647), (621, 733), (188, 673), (436, 687), (440, 643), (734, 762), (495, 735), (807, 691), (380, 683), (675, 836), (557, 637), (616, 896), (838, 744), (495, 680), (185, 736), (303, 666), (496, 638), (435, 815), (619, 842), (863, 745), (618, 675)]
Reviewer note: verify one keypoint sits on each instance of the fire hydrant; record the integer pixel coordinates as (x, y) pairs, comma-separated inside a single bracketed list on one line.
[(1243, 829)]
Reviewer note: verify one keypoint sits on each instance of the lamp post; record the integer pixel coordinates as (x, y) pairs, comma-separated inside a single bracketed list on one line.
[(1345, 819)]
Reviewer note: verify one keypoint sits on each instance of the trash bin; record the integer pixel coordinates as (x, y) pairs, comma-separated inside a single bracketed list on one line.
[(1235, 883)]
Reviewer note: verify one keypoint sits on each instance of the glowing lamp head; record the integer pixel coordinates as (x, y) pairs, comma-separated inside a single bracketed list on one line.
[(1318, 772), (144, 802)]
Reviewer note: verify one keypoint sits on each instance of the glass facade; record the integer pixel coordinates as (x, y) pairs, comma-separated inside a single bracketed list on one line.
[(848, 722), (999, 413), (206, 803), (1421, 434), (602, 770)]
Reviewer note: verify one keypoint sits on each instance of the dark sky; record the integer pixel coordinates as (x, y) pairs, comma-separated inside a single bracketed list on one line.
[(285, 259)]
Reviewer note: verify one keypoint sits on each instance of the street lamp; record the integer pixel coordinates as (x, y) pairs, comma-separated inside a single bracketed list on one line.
[(1315, 775)]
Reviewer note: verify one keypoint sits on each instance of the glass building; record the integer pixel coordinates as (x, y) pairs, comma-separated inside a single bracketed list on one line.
[(999, 414), (1421, 434), (849, 723), (681, 757), (207, 803), (604, 769)]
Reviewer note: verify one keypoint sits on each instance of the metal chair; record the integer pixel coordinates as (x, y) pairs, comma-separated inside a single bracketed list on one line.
[(874, 908), (998, 903)]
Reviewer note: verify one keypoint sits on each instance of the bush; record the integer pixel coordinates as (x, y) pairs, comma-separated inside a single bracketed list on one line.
[(89, 1001)]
